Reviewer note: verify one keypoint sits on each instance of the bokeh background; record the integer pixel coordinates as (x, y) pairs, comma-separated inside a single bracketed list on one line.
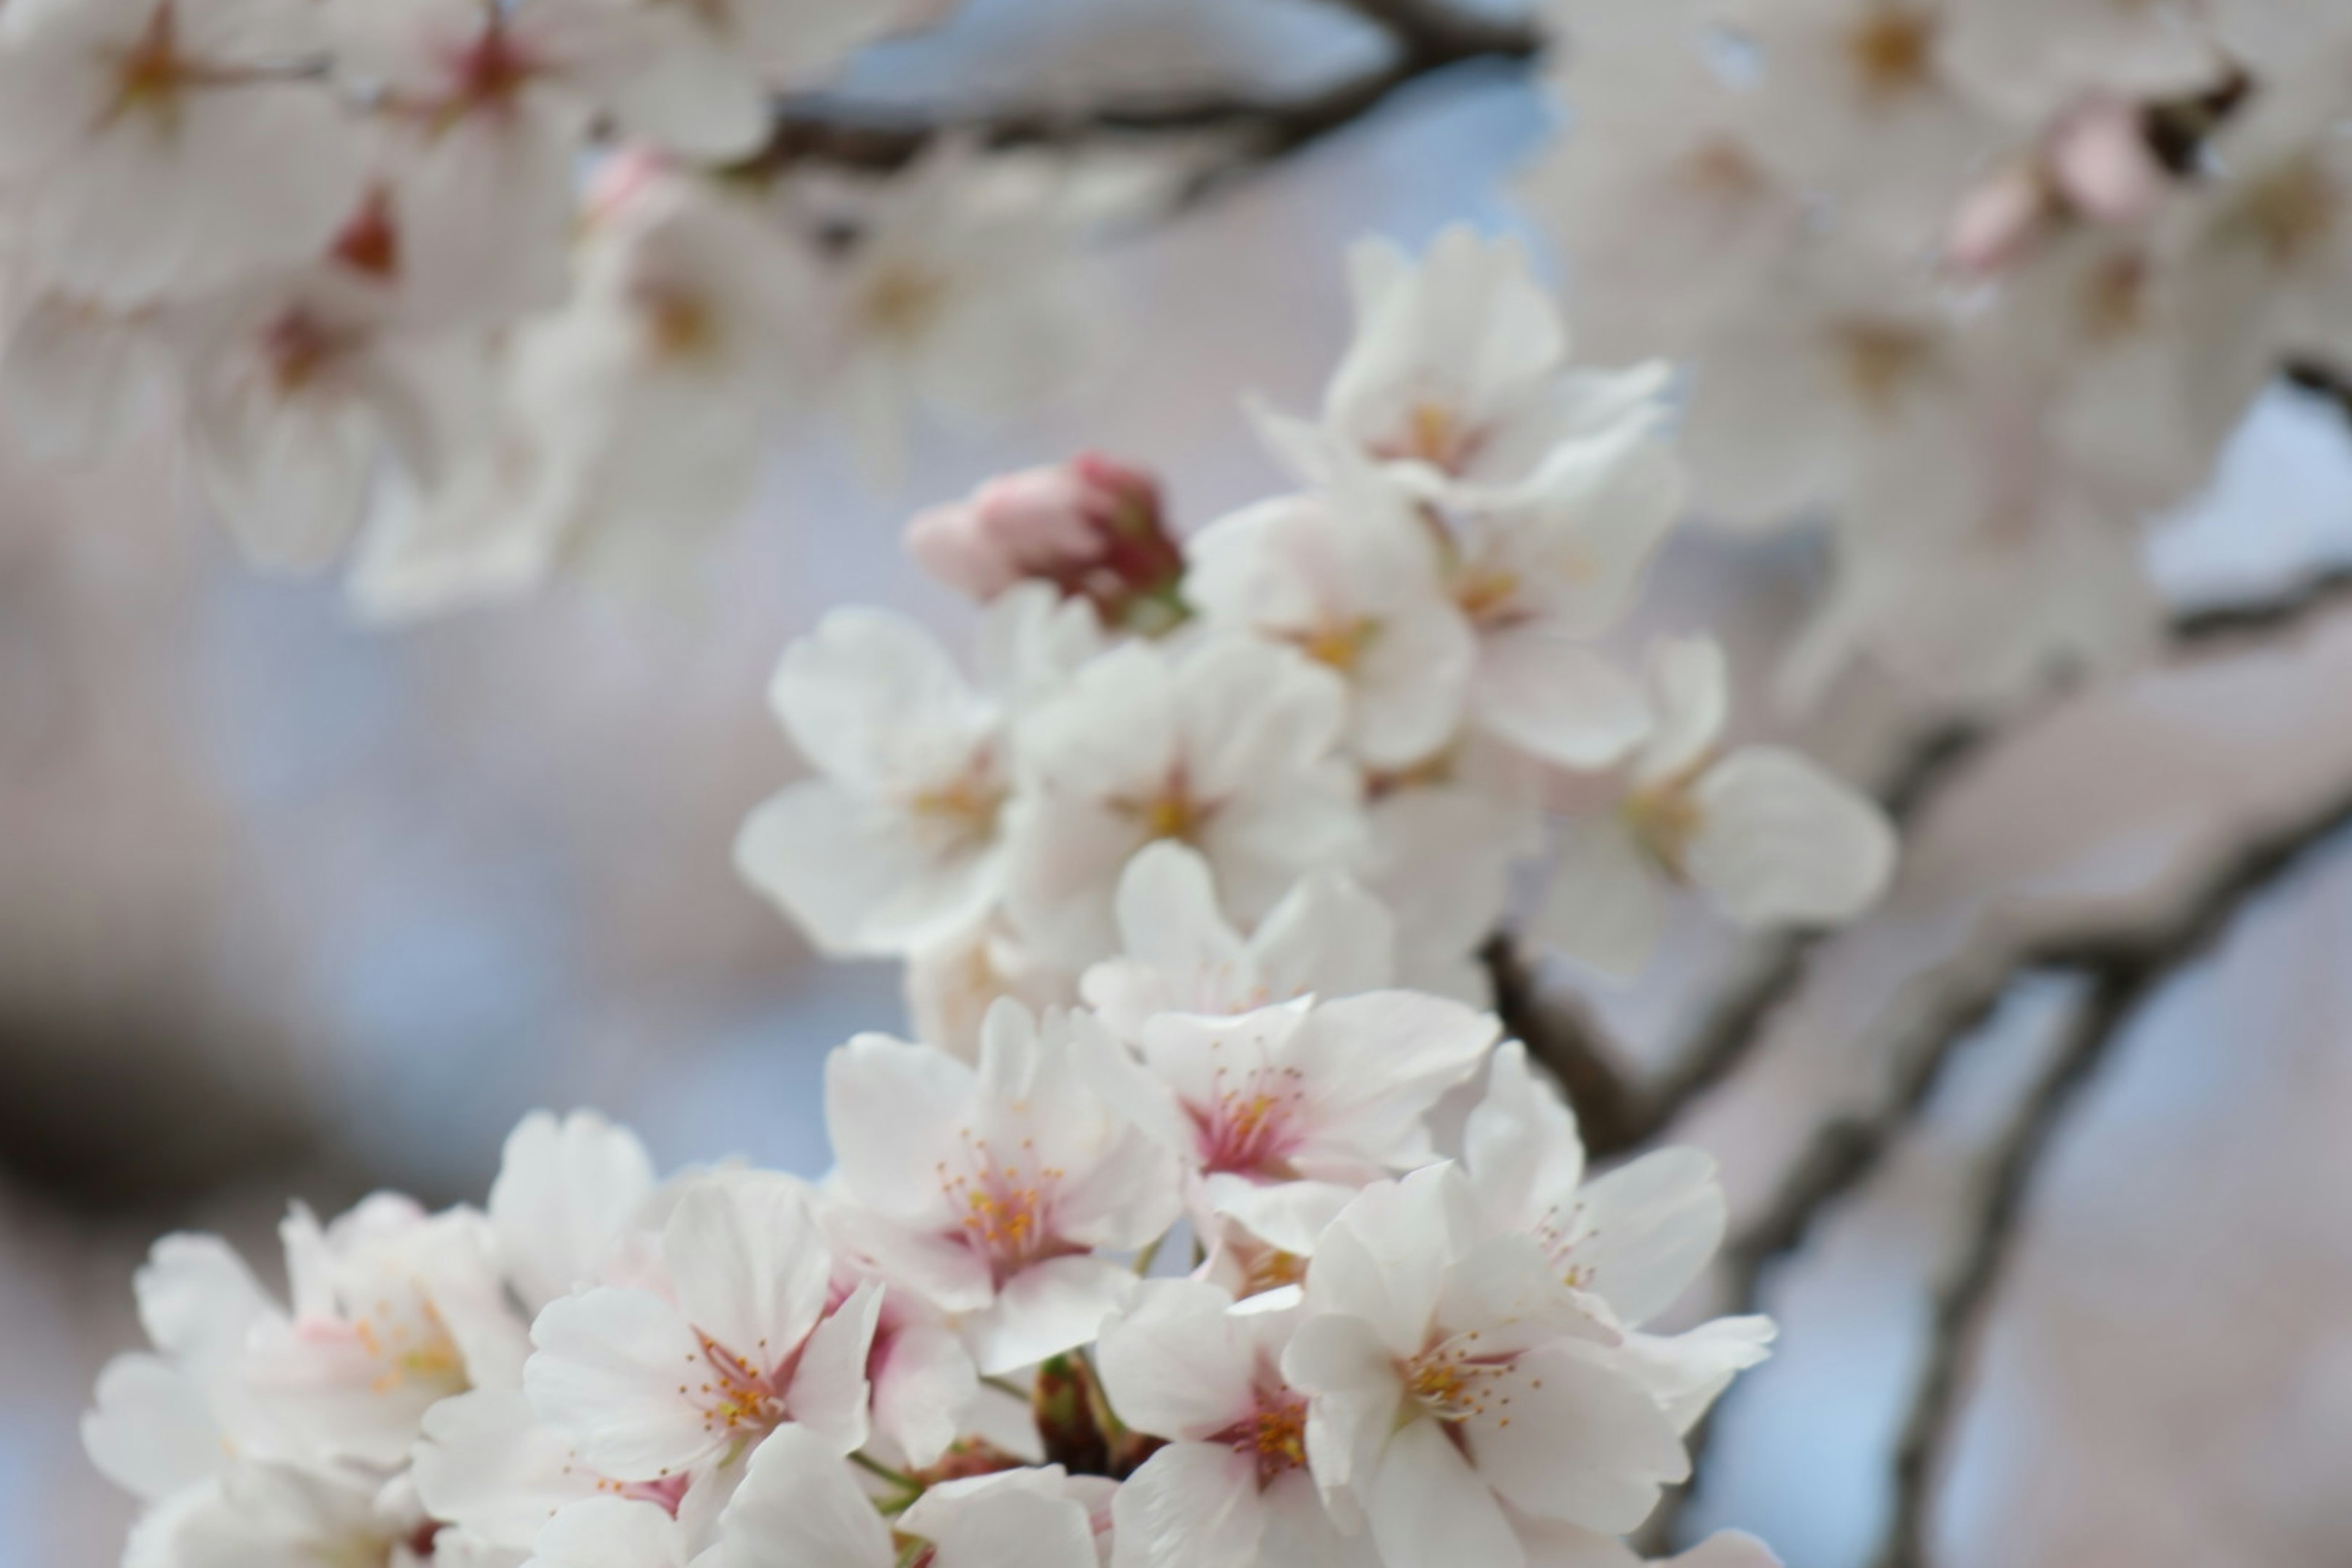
[(293, 907)]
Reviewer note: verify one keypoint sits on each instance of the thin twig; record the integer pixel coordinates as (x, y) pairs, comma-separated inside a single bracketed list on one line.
[(1425, 39), (2126, 969), (1845, 1149)]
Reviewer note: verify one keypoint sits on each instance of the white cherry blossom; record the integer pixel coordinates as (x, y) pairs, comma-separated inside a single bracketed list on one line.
[(164, 147), (1455, 1385), (1766, 832), (1179, 954), (989, 1187), (1229, 744), (649, 1384), (1232, 1485)]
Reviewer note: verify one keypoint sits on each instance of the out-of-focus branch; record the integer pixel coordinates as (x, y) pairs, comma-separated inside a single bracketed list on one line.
[(2125, 969), (1424, 40), (1564, 1039)]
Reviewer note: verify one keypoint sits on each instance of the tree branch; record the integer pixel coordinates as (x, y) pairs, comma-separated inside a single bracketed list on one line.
[(1425, 39), (2127, 970)]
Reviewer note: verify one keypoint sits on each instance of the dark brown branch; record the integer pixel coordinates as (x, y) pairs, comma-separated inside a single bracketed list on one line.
[(1559, 1035), (2127, 970), (1424, 40)]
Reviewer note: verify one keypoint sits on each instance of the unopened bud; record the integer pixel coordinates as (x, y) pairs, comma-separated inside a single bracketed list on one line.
[(1091, 527)]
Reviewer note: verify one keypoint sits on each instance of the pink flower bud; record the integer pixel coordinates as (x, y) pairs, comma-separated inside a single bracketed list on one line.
[(2101, 162), (1996, 221), (1090, 527)]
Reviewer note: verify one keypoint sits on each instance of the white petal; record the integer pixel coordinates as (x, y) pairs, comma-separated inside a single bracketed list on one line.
[(1781, 840), (1046, 1308), (828, 1394), (800, 1507), (1192, 1505), (750, 1263), (1520, 1147), (1557, 700), (1584, 1442), (151, 1432), (609, 1532), (1606, 902), (606, 1375), (1650, 1227), (1354, 1396), (1427, 1510), (894, 1110), (564, 1190), (1175, 1365), (488, 1463)]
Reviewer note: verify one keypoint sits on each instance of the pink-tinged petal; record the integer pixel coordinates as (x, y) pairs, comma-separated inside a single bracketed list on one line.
[(1427, 1508), (607, 1374), (197, 1300), (828, 1394), (1686, 1372), (1046, 1308), (1580, 1441), (1192, 1505), (1377, 1064), (1328, 936), (1385, 1259), (800, 1507), (748, 1262), (1175, 1365)]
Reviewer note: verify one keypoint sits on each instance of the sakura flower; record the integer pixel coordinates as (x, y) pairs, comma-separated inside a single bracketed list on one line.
[(272, 1512), (1350, 577), (898, 843), (2030, 59), (1862, 100), (1178, 954), (165, 1425), (165, 147), (1264, 1107), (951, 984), (1765, 831), (567, 1188), (989, 1187), (296, 392), (1228, 745), (1231, 1487), (1633, 1241), (1660, 205), (1840, 353), (649, 1384), (1455, 1386), (393, 1310), (1442, 849), (1457, 375), (799, 1504), (2273, 238)]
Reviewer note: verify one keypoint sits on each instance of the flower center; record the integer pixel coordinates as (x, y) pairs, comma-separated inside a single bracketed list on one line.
[(1452, 1385), (412, 1348), (965, 808), (1275, 1435), (1880, 360), (2292, 211), (1889, 52), (1339, 644), (902, 301), (1003, 1207), (1488, 595), (1251, 1128), (1172, 812), (734, 1395), (1665, 818)]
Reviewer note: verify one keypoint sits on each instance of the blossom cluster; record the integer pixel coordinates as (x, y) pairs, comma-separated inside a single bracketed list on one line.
[(1392, 675), (494, 287), (1985, 282), (977, 1342)]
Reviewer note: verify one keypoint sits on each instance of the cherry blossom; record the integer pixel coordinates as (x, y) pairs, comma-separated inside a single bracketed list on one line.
[(990, 1186), (1770, 835)]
